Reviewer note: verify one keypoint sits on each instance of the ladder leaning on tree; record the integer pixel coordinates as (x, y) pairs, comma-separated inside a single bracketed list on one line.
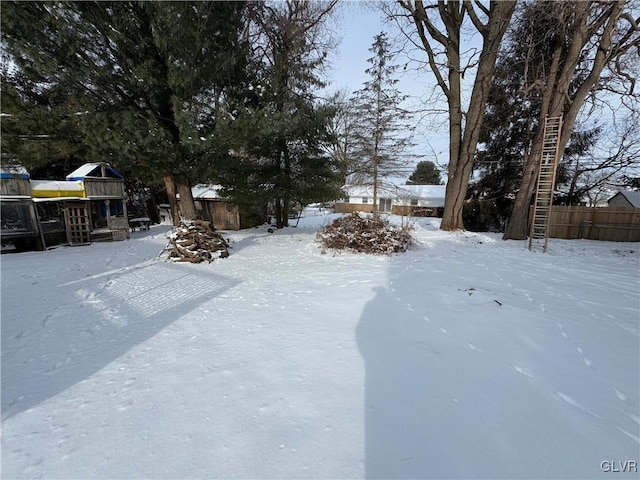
[(546, 183)]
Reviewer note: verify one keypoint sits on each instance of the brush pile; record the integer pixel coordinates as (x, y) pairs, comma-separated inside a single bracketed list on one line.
[(196, 241), (365, 234)]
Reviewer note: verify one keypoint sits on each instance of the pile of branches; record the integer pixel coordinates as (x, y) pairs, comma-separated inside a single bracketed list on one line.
[(196, 241), (365, 234)]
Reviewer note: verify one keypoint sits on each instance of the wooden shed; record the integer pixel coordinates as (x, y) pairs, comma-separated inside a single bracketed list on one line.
[(224, 214), (19, 220), (15, 180), (104, 188)]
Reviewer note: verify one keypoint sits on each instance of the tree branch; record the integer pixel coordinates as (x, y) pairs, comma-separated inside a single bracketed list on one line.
[(481, 27)]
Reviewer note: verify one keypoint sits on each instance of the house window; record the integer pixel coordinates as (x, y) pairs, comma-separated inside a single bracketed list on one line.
[(365, 199), (414, 202), (384, 204)]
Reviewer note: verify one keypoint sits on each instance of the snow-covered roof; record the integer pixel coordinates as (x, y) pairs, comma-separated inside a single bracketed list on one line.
[(206, 191), (95, 170), (422, 191), (431, 192), (9, 170), (632, 197)]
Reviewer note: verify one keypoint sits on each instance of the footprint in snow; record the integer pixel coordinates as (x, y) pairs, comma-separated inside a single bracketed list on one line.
[(562, 332), (635, 418), (522, 371), (585, 359), (630, 435), (621, 396), (577, 405)]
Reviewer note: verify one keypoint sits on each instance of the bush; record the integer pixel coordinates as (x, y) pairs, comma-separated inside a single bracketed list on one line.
[(486, 215), (365, 234)]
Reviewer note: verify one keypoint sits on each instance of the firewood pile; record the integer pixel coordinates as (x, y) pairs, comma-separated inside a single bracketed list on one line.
[(365, 234), (196, 241)]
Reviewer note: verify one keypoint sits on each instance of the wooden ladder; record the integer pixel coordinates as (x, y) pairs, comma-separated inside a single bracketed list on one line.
[(539, 234)]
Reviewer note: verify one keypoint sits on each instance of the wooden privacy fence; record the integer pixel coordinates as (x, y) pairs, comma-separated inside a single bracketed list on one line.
[(612, 224)]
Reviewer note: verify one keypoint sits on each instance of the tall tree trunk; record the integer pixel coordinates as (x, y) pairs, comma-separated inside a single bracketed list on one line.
[(187, 205), (286, 197), (557, 100), (376, 210), (463, 143), (173, 202), (456, 188), (286, 208), (278, 212)]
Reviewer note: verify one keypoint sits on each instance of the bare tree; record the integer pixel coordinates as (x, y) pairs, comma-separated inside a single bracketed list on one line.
[(341, 127), (438, 28), (603, 172), (589, 38)]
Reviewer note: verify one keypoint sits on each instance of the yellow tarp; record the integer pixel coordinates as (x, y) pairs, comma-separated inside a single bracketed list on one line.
[(56, 189)]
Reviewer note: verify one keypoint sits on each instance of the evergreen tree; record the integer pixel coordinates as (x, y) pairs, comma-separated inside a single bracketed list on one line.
[(278, 131), (426, 173), (145, 78), (39, 128), (380, 138)]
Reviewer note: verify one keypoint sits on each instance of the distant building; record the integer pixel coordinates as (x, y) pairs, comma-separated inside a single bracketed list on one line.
[(625, 198), (415, 200)]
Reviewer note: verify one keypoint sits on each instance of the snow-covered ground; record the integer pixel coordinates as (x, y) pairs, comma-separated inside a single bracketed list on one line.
[(467, 357)]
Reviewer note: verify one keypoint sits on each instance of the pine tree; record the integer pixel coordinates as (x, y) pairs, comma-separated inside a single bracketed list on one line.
[(278, 131), (39, 128), (380, 138), (145, 77), (426, 173)]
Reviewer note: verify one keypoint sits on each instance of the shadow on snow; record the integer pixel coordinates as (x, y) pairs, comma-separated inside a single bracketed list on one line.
[(110, 314)]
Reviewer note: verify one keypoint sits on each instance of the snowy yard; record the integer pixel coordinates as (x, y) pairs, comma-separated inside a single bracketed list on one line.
[(467, 357)]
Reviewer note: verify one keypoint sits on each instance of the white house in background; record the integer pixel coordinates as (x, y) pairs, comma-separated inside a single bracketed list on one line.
[(416, 200), (625, 198)]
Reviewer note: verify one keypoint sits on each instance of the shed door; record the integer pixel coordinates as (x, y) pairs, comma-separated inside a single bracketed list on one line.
[(76, 218)]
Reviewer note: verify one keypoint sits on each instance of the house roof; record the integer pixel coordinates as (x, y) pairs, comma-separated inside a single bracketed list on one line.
[(431, 192), (632, 197), (8, 170), (94, 170), (206, 191)]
